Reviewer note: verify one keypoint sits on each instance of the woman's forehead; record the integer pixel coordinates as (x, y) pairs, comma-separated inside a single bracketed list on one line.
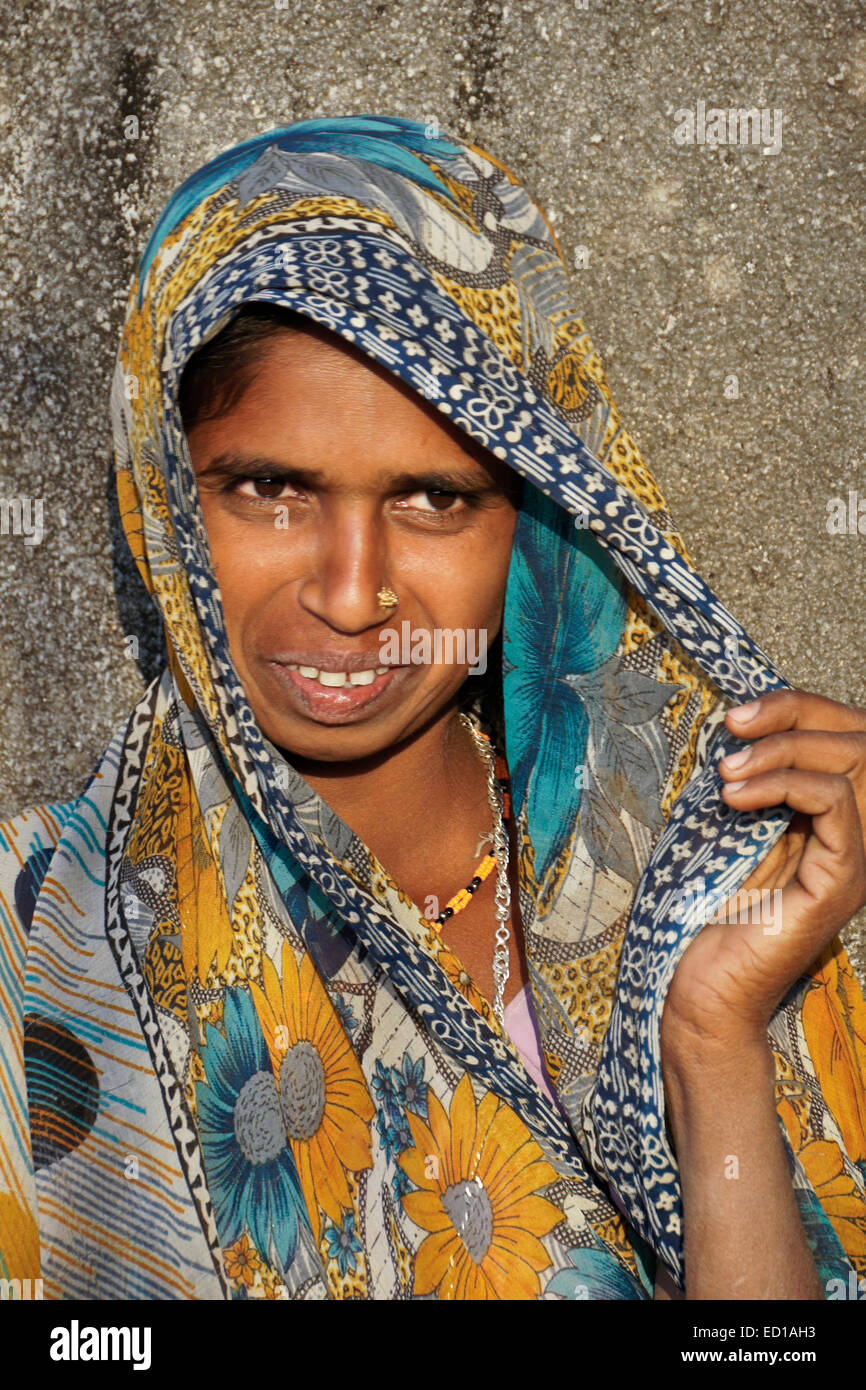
[(310, 392)]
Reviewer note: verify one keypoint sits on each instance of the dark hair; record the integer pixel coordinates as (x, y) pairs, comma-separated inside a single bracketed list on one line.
[(484, 694), (213, 381), (218, 374)]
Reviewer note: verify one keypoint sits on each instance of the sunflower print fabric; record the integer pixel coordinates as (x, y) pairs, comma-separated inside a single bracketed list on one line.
[(237, 1062)]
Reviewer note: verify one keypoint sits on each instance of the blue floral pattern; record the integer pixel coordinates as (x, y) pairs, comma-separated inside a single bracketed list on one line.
[(343, 1244), (253, 1180), (396, 1090)]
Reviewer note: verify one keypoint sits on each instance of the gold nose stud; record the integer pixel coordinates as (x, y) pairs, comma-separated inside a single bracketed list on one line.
[(387, 598)]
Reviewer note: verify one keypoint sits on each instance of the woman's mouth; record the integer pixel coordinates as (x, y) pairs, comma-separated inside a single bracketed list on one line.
[(336, 697), (336, 680)]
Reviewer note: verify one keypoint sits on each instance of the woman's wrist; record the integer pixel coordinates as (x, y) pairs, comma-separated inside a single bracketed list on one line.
[(742, 1229), (706, 1076)]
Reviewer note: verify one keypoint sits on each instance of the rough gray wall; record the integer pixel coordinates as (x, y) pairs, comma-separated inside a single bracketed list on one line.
[(704, 263)]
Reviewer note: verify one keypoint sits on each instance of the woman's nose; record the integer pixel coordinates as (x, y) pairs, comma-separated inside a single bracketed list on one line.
[(349, 568)]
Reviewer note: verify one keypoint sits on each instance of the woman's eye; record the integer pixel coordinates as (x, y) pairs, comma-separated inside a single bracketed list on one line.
[(441, 500), (261, 489), (429, 502)]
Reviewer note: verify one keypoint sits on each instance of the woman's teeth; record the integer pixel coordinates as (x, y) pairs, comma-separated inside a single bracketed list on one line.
[(338, 678)]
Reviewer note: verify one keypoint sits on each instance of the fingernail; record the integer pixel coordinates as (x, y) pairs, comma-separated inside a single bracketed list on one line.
[(734, 786), (746, 712), (736, 759)]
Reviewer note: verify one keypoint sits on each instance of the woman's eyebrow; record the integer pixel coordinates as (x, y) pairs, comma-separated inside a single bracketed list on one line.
[(444, 479), (247, 465)]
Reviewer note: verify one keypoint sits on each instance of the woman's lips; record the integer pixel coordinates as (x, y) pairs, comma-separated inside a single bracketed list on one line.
[(335, 704)]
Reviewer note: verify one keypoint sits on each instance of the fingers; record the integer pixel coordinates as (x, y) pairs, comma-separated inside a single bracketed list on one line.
[(796, 923), (813, 751), (841, 754), (793, 709), (832, 870)]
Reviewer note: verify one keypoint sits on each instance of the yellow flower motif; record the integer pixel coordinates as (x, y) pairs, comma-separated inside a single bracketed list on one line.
[(459, 976), (480, 1173), (242, 1261), (838, 1195), (834, 1022), (206, 928), (19, 1239), (323, 1096)]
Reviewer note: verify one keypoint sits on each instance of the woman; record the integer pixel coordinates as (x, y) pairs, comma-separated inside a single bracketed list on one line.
[(359, 970)]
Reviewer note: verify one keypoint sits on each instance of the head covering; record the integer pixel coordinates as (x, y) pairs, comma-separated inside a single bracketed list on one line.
[(253, 1068)]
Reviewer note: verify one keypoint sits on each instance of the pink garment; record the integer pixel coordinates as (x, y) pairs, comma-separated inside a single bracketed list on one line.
[(520, 1027)]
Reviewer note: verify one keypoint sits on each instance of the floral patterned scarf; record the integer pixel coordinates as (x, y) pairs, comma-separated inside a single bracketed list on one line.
[(237, 1060)]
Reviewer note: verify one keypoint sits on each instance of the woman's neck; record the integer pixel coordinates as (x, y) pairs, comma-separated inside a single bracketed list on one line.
[(433, 780)]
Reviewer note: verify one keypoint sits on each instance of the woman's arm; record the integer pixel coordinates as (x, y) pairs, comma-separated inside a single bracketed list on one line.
[(742, 1232)]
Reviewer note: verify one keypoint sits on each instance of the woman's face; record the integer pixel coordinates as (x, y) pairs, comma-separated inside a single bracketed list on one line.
[(326, 481)]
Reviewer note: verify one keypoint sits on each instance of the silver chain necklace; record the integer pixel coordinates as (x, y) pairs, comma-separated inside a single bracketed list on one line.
[(501, 967)]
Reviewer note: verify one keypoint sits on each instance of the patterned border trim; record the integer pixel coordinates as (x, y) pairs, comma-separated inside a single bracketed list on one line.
[(117, 933)]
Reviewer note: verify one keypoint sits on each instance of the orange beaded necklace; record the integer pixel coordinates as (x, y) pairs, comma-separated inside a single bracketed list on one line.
[(488, 863)]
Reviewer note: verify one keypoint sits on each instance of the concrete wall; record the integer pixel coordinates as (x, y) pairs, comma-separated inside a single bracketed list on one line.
[(704, 263)]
